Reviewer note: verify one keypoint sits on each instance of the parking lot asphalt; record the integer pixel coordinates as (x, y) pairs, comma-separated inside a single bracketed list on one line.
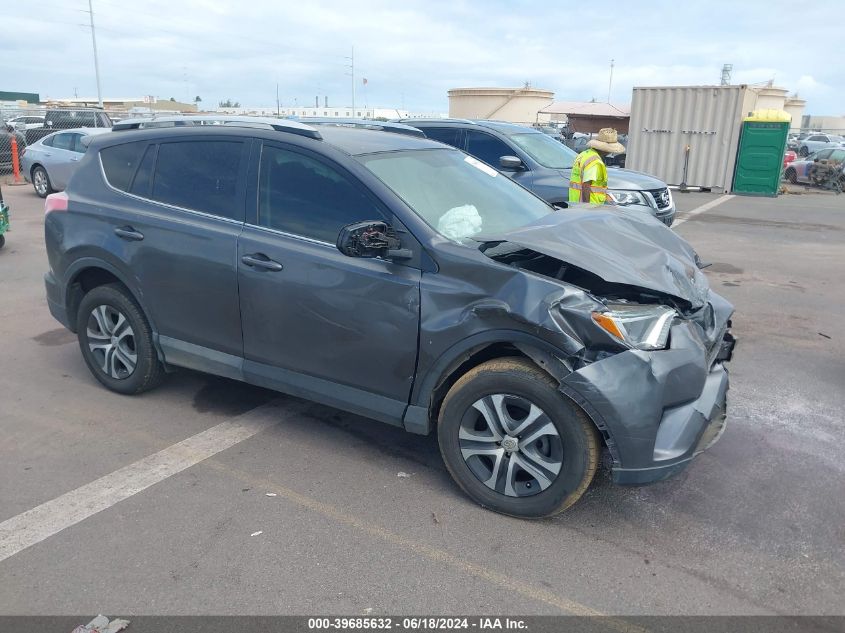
[(364, 518)]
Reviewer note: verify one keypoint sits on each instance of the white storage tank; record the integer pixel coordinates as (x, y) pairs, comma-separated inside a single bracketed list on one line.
[(516, 105)]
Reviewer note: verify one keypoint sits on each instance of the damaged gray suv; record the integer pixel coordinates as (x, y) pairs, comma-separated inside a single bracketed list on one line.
[(400, 279)]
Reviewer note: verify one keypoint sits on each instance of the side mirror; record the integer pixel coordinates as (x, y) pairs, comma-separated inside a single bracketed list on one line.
[(511, 163), (49, 124), (371, 239)]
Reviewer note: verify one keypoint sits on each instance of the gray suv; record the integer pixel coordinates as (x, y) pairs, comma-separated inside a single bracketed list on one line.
[(400, 279), (544, 164)]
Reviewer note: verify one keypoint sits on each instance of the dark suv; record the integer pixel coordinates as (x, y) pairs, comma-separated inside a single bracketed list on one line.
[(400, 279), (542, 164), (68, 119)]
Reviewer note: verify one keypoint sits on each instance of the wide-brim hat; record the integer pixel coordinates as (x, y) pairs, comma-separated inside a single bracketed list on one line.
[(607, 141)]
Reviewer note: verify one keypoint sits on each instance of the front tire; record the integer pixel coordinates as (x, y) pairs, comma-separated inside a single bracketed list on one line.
[(514, 443), (791, 176), (804, 152), (116, 341)]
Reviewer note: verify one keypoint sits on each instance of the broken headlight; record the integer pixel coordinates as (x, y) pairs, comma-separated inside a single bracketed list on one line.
[(639, 326)]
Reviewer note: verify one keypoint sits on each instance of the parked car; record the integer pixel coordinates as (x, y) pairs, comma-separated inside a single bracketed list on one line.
[(400, 279), (50, 162), (543, 165), (26, 122), (788, 157), (68, 119), (805, 170), (815, 142)]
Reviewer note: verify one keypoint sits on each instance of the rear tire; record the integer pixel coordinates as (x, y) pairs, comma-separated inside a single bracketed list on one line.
[(116, 341), (791, 176), (2, 241), (804, 152), (41, 182), (514, 443)]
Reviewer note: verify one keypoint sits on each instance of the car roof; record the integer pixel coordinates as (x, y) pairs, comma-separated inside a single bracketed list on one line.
[(505, 127), (350, 139), (357, 141)]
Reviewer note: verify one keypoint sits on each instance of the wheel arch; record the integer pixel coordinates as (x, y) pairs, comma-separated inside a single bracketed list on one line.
[(474, 350), (88, 273)]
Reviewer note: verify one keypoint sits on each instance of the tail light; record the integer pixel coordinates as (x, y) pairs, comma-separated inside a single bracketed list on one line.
[(55, 202)]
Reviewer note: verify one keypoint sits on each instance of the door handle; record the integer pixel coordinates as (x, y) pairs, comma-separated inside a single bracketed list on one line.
[(257, 260), (128, 233)]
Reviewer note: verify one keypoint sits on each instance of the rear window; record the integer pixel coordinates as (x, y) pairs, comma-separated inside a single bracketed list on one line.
[(120, 163)]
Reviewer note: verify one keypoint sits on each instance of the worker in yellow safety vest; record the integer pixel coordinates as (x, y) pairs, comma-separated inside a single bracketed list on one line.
[(588, 182)]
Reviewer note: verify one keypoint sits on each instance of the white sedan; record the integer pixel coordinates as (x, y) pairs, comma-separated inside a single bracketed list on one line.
[(49, 162)]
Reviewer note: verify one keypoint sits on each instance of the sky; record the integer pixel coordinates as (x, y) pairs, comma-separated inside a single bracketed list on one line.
[(412, 51)]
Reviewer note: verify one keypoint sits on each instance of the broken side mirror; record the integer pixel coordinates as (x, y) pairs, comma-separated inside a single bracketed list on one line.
[(511, 163), (371, 239)]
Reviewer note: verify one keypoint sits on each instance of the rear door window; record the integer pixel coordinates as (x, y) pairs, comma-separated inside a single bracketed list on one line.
[(200, 176), (78, 147), (450, 135), (63, 141), (487, 147)]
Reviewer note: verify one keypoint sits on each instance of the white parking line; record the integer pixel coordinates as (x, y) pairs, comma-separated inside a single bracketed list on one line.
[(51, 517), (701, 209)]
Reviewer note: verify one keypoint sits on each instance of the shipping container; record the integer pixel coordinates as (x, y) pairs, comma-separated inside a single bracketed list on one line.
[(706, 119)]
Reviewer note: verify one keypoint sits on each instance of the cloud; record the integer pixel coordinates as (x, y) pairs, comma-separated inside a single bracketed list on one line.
[(410, 52)]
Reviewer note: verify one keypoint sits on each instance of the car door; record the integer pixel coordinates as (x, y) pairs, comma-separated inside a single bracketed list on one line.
[(177, 232), (316, 323), (59, 160), (488, 148)]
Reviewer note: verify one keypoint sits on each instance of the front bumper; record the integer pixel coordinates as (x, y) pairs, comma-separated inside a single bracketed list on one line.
[(659, 409)]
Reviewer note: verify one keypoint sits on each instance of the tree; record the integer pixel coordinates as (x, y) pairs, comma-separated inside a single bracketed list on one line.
[(197, 99), (228, 103), (172, 99)]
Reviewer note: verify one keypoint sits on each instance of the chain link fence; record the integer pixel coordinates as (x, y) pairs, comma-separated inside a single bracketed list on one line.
[(21, 127)]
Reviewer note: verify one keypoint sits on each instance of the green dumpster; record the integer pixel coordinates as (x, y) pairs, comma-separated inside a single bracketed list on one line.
[(759, 159)]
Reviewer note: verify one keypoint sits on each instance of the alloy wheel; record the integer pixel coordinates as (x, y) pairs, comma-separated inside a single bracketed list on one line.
[(511, 445), (39, 179), (111, 341)]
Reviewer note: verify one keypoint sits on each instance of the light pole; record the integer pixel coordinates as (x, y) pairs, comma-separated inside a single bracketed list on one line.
[(610, 83), (96, 61)]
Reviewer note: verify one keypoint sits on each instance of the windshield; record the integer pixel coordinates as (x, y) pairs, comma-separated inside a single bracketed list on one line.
[(457, 195), (545, 150)]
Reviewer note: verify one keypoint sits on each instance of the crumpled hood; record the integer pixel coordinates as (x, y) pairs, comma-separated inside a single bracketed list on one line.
[(621, 248)]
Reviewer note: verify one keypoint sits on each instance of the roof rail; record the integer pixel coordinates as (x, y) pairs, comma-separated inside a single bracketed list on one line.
[(263, 123), (366, 124), (410, 120)]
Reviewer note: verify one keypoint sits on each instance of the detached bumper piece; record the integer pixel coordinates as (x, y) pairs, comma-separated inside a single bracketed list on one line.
[(658, 409)]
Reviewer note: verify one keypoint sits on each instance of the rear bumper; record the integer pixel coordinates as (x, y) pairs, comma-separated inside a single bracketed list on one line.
[(659, 409), (55, 300)]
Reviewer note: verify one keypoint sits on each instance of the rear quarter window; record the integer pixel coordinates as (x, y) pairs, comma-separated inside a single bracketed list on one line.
[(120, 163)]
